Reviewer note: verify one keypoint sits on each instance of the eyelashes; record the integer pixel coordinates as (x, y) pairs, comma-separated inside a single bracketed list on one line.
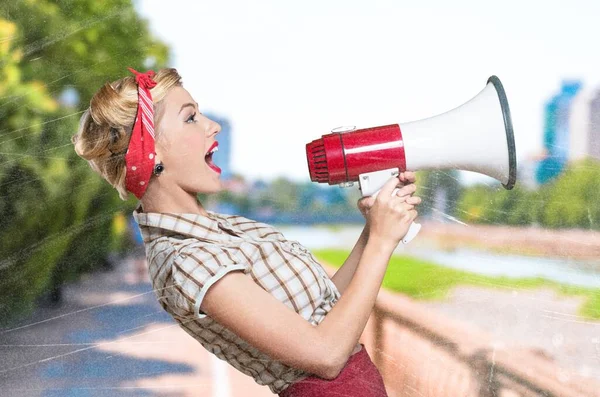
[(191, 118)]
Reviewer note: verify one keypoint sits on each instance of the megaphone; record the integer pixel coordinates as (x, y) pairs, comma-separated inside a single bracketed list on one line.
[(476, 136)]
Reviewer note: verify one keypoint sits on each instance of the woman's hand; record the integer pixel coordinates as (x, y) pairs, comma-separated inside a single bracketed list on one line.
[(391, 214), (406, 178)]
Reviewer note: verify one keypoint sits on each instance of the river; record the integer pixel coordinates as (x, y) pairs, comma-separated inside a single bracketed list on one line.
[(563, 270)]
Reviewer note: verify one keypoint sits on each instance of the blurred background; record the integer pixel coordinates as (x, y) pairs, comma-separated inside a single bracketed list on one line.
[(501, 287)]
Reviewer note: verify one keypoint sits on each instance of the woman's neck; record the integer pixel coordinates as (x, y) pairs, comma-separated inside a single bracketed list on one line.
[(174, 200)]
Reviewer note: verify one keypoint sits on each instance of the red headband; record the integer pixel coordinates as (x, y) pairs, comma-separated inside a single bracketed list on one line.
[(140, 154)]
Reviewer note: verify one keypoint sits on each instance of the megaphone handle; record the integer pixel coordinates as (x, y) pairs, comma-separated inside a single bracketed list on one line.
[(413, 229)]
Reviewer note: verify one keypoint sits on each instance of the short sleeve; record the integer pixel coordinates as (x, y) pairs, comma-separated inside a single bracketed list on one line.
[(196, 269)]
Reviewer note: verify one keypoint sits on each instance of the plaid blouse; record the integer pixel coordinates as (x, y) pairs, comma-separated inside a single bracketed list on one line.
[(187, 253)]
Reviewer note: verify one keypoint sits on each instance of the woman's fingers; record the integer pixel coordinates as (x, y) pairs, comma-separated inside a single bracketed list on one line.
[(414, 200), (402, 206), (408, 207), (387, 189), (407, 177), (405, 201), (411, 215), (406, 190)]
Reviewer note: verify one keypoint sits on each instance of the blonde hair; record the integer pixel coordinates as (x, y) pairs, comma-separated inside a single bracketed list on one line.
[(105, 127)]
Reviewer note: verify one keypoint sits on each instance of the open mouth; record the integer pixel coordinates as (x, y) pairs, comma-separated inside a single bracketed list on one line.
[(209, 155)]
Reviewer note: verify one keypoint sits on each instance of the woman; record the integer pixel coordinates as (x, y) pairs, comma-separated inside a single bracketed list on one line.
[(239, 287)]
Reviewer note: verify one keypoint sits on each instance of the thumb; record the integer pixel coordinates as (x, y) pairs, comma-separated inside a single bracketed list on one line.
[(366, 202)]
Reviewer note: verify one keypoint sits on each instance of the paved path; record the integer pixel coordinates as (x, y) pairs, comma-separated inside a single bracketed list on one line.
[(110, 337)]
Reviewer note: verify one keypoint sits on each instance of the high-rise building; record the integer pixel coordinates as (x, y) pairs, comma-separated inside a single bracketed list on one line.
[(593, 138), (223, 156), (579, 125), (556, 132), (584, 126)]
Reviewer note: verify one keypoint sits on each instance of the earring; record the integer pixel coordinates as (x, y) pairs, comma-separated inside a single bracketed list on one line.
[(159, 168)]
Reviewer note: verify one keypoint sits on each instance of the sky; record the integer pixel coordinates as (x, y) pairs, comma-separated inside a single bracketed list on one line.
[(287, 72)]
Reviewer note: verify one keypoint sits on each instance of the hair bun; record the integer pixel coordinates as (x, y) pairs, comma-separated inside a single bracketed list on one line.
[(105, 127)]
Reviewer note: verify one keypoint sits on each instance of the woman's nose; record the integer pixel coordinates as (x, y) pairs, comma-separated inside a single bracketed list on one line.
[(215, 128)]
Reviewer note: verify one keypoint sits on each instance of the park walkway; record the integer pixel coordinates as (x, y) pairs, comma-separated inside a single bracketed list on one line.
[(110, 337)]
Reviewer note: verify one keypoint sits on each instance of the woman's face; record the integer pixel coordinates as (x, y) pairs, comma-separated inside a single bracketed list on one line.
[(186, 139)]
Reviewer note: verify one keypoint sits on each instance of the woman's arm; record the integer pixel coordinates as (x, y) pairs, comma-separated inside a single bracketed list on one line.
[(241, 306), (344, 274), (250, 312)]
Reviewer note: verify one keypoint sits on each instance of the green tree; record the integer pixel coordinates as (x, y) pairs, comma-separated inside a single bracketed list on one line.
[(472, 205), (573, 199), (570, 200), (284, 195), (57, 212)]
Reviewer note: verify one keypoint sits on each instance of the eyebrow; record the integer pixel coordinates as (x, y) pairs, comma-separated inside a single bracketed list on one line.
[(186, 105)]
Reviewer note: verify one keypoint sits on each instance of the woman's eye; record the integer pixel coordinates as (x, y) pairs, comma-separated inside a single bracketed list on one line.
[(191, 118)]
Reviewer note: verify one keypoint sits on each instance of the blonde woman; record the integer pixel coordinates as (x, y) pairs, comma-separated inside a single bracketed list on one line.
[(246, 293)]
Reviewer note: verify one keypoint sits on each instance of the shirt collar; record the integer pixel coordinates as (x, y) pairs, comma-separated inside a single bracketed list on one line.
[(211, 227)]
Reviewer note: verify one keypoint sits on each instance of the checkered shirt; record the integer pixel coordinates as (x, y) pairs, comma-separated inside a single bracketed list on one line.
[(187, 253)]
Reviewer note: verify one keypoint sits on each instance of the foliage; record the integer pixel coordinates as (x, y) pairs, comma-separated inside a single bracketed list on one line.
[(55, 213), (569, 201), (573, 199)]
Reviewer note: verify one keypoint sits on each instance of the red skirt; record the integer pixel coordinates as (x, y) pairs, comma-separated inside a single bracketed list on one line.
[(360, 378)]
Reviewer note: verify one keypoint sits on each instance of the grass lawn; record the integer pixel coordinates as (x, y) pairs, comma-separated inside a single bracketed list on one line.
[(426, 280)]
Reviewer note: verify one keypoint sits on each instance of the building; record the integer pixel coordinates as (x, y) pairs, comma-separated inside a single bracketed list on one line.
[(593, 138), (584, 135), (557, 122)]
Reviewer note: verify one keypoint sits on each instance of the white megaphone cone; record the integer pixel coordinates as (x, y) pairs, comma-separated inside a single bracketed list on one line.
[(476, 136)]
